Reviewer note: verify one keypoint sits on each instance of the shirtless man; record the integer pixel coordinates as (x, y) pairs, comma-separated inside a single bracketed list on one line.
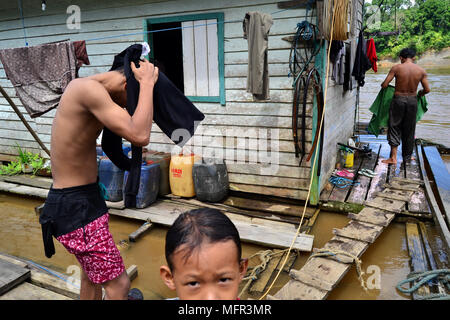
[(403, 110), (75, 212)]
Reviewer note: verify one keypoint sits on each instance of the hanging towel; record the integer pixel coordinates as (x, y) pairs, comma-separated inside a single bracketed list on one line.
[(380, 109), (362, 62), (40, 74), (337, 73), (171, 111), (372, 54), (256, 27), (80, 54)]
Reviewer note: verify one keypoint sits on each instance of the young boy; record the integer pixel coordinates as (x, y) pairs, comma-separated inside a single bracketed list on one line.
[(203, 253)]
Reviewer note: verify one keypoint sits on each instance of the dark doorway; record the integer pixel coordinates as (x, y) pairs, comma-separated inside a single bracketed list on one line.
[(168, 51)]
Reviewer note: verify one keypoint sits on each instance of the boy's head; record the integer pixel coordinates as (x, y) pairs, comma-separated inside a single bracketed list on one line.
[(407, 53), (203, 253)]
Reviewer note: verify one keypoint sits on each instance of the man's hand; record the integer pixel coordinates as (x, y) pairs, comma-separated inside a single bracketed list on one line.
[(146, 73)]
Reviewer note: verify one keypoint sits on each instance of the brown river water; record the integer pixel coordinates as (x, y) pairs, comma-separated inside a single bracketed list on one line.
[(20, 235)]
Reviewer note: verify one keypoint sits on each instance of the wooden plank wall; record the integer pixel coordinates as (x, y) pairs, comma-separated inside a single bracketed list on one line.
[(247, 118), (340, 108)]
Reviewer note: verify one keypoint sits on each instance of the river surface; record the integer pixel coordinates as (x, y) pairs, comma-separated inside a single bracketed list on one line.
[(435, 124), (20, 235)]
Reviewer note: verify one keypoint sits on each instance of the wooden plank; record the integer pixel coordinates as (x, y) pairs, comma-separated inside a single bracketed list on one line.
[(28, 180), (402, 186), (201, 57), (250, 230), (12, 260), (139, 232), (401, 195), (321, 273), (378, 182), (386, 204), (417, 254), (418, 202), (354, 247), (359, 192), (188, 58), (441, 179), (227, 208), (296, 290), (55, 284), (268, 206), (407, 181), (359, 231), (28, 291), (11, 275), (437, 215), (374, 216)]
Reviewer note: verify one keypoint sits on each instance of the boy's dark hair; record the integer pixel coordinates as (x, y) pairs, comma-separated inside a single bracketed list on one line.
[(407, 53), (193, 227)]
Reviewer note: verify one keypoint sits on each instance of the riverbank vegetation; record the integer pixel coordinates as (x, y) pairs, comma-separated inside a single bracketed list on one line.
[(422, 24)]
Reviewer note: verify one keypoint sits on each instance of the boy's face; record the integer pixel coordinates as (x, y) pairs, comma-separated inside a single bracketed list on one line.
[(212, 272)]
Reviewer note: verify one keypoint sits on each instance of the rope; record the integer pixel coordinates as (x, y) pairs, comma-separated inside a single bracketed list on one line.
[(264, 257), (312, 169), (358, 262), (23, 23), (52, 273), (439, 275), (341, 182)]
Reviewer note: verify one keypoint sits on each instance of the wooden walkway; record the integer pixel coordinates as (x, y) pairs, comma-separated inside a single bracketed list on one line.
[(369, 188), (320, 275)]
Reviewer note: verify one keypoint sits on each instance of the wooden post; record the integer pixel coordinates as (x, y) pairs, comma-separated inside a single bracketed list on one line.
[(25, 122)]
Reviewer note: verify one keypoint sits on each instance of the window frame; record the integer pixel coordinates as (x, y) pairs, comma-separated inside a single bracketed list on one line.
[(148, 37)]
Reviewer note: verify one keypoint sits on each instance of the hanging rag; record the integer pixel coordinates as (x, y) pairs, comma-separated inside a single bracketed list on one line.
[(174, 114), (80, 54), (338, 71), (40, 74), (348, 80), (381, 106), (372, 54), (362, 62), (256, 27)]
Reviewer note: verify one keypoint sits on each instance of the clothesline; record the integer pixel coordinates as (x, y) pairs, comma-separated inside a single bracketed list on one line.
[(153, 31)]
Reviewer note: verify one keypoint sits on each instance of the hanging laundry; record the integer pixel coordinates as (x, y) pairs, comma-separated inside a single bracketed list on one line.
[(80, 54), (380, 109), (336, 46), (337, 74), (362, 62), (171, 111), (372, 54), (40, 74), (256, 27), (348, 81)]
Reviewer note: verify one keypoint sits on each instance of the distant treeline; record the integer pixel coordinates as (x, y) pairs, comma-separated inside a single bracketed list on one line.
[(423, 26)]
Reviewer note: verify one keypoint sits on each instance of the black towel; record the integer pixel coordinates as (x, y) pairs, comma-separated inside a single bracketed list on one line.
[(171, 111), (362, 62)]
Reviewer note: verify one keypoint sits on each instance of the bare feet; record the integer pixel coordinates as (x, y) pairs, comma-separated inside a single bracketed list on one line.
[(389, 161)]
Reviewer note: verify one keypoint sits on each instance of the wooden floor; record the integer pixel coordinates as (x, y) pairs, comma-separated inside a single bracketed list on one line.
[(368, 188)]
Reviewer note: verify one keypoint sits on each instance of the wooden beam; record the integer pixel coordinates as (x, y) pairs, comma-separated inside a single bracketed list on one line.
[(417, 255), (294, 4), (28, 291), (437, 214), (11, 275), (142, 229)]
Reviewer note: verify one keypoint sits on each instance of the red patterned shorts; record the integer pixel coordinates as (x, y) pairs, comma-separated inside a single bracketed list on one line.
[(94, 248)]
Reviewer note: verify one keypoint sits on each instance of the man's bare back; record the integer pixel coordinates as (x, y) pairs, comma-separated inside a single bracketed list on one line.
[(407, 75), (86, 106)]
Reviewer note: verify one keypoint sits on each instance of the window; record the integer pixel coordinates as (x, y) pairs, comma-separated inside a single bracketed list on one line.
[(190, 51)]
